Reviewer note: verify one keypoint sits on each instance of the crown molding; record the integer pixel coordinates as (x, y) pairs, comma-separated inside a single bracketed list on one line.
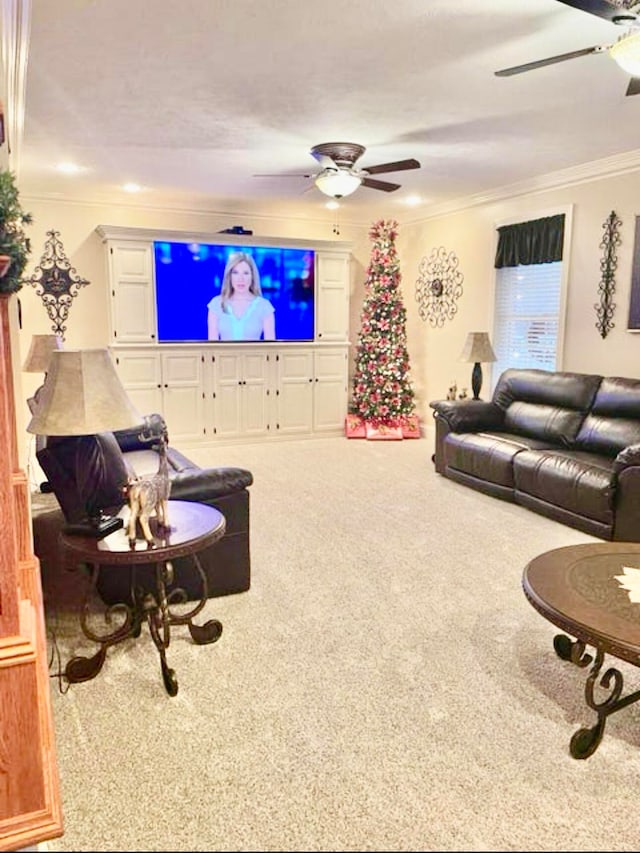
[(607, 167)]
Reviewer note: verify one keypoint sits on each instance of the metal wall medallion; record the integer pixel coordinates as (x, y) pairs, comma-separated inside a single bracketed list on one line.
[(608, 264), (439, 286), (56, 282)]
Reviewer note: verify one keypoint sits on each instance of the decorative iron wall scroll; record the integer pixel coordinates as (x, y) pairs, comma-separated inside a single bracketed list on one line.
[(439, 286), (56, 282), (609, 262)]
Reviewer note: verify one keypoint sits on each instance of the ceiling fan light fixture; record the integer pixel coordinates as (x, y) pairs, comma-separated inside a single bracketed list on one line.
[(337, 183), (626, 52)]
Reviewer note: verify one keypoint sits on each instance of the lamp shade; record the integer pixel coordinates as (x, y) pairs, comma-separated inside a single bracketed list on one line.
[(82, 395), (37, 360), (478, 347), (626, 52), (337, 183)]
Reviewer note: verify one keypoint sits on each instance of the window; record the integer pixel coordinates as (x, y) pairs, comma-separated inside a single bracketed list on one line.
[(528, 316)]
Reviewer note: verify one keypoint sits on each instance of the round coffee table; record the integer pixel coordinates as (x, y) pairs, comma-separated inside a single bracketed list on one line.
[(193, 527), (576, 589)]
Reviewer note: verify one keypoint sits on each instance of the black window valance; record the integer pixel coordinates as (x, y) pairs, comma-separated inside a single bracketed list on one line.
[(538, 241)]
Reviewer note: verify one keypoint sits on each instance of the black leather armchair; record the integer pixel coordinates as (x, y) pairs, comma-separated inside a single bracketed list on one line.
[(107, 460)]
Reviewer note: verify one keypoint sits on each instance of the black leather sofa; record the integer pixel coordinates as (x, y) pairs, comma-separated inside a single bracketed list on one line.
[(566, 445), (107, 461)]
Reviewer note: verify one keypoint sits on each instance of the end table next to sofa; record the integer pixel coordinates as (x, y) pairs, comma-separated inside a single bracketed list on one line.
[(193, 527)]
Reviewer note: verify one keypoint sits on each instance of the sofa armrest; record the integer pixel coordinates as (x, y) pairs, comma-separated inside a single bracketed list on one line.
[(468, 415), (207, 484), (626, 458), (142, 437)]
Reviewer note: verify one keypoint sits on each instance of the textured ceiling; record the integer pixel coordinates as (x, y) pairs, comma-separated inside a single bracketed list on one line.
[(191, 99)]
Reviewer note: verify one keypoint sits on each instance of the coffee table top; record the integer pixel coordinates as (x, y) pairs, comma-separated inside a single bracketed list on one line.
[(576, 589), (193, 526)]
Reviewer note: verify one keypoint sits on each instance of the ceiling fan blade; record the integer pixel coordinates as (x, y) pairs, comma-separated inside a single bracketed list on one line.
[(398, 166), (385, 186), (634, 86), (602, 9), (529, 66)]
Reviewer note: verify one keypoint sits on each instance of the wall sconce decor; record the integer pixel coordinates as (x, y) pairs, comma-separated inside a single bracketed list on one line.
[(609, 262), (439, 286), (56, 282)]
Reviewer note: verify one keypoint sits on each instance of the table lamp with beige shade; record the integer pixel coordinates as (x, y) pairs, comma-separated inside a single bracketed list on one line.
[(478, 349), (81, 402), (37, 360)]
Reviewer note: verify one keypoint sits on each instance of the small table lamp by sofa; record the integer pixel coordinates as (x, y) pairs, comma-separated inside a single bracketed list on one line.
[(477, 348), (82, 396)]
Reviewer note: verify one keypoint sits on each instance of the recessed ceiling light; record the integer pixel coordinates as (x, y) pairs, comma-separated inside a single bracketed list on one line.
[(332, 205), (69, 168), (131, 187), (412, 200)]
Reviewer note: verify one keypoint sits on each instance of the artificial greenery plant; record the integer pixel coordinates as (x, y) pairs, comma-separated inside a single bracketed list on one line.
[(13, 240)]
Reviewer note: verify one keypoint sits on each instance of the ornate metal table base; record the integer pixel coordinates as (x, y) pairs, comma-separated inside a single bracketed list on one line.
[(156, 610), (585, 741)]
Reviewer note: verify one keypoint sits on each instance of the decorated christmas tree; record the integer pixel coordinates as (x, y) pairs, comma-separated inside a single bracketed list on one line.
[(382, 395)]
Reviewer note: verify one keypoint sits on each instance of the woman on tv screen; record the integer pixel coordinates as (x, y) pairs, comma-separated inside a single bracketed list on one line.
[(240, 312)]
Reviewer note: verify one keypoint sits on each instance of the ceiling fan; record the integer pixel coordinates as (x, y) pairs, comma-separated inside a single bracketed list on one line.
[(625, 50), (339, 177)]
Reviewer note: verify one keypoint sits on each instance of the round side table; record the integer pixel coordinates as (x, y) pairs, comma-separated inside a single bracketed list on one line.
[(193, 527)]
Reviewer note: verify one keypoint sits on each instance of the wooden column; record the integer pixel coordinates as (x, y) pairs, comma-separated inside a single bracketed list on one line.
[(29, 787)]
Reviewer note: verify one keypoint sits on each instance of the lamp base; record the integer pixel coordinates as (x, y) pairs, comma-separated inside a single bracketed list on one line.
[(96, 528), (476, 380)]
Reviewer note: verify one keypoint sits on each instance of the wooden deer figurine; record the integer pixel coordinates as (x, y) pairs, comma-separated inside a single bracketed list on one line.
[(147, 495)]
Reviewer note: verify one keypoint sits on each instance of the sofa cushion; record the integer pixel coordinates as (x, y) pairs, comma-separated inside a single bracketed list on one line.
[(552, 424), (614, 420), (579, 482), (487, 456), (545, 405), (566, 390)]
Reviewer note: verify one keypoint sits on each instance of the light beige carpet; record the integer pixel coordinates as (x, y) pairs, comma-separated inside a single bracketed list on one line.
[(384, 685)]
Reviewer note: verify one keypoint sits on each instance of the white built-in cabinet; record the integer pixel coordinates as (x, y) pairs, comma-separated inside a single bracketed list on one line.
[(232, 392), (211, 392)]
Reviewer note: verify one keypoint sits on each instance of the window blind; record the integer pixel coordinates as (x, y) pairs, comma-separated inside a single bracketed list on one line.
[(526, 317)]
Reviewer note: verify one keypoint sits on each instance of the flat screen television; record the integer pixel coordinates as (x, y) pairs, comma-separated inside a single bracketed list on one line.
[(188, 277)]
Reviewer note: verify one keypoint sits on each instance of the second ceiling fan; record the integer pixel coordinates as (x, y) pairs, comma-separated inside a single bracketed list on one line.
[(625, 50)]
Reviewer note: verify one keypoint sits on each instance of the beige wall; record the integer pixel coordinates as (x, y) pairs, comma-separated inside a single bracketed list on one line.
[(471, 235), (433, 352)]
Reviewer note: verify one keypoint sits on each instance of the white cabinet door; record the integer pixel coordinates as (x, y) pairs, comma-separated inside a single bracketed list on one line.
[(140, 374), (170, 383), (330, 389), (294, 392), (183, 394), (240, 394), (227, 391), (255, 420), (132, 293), (332, 308)]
